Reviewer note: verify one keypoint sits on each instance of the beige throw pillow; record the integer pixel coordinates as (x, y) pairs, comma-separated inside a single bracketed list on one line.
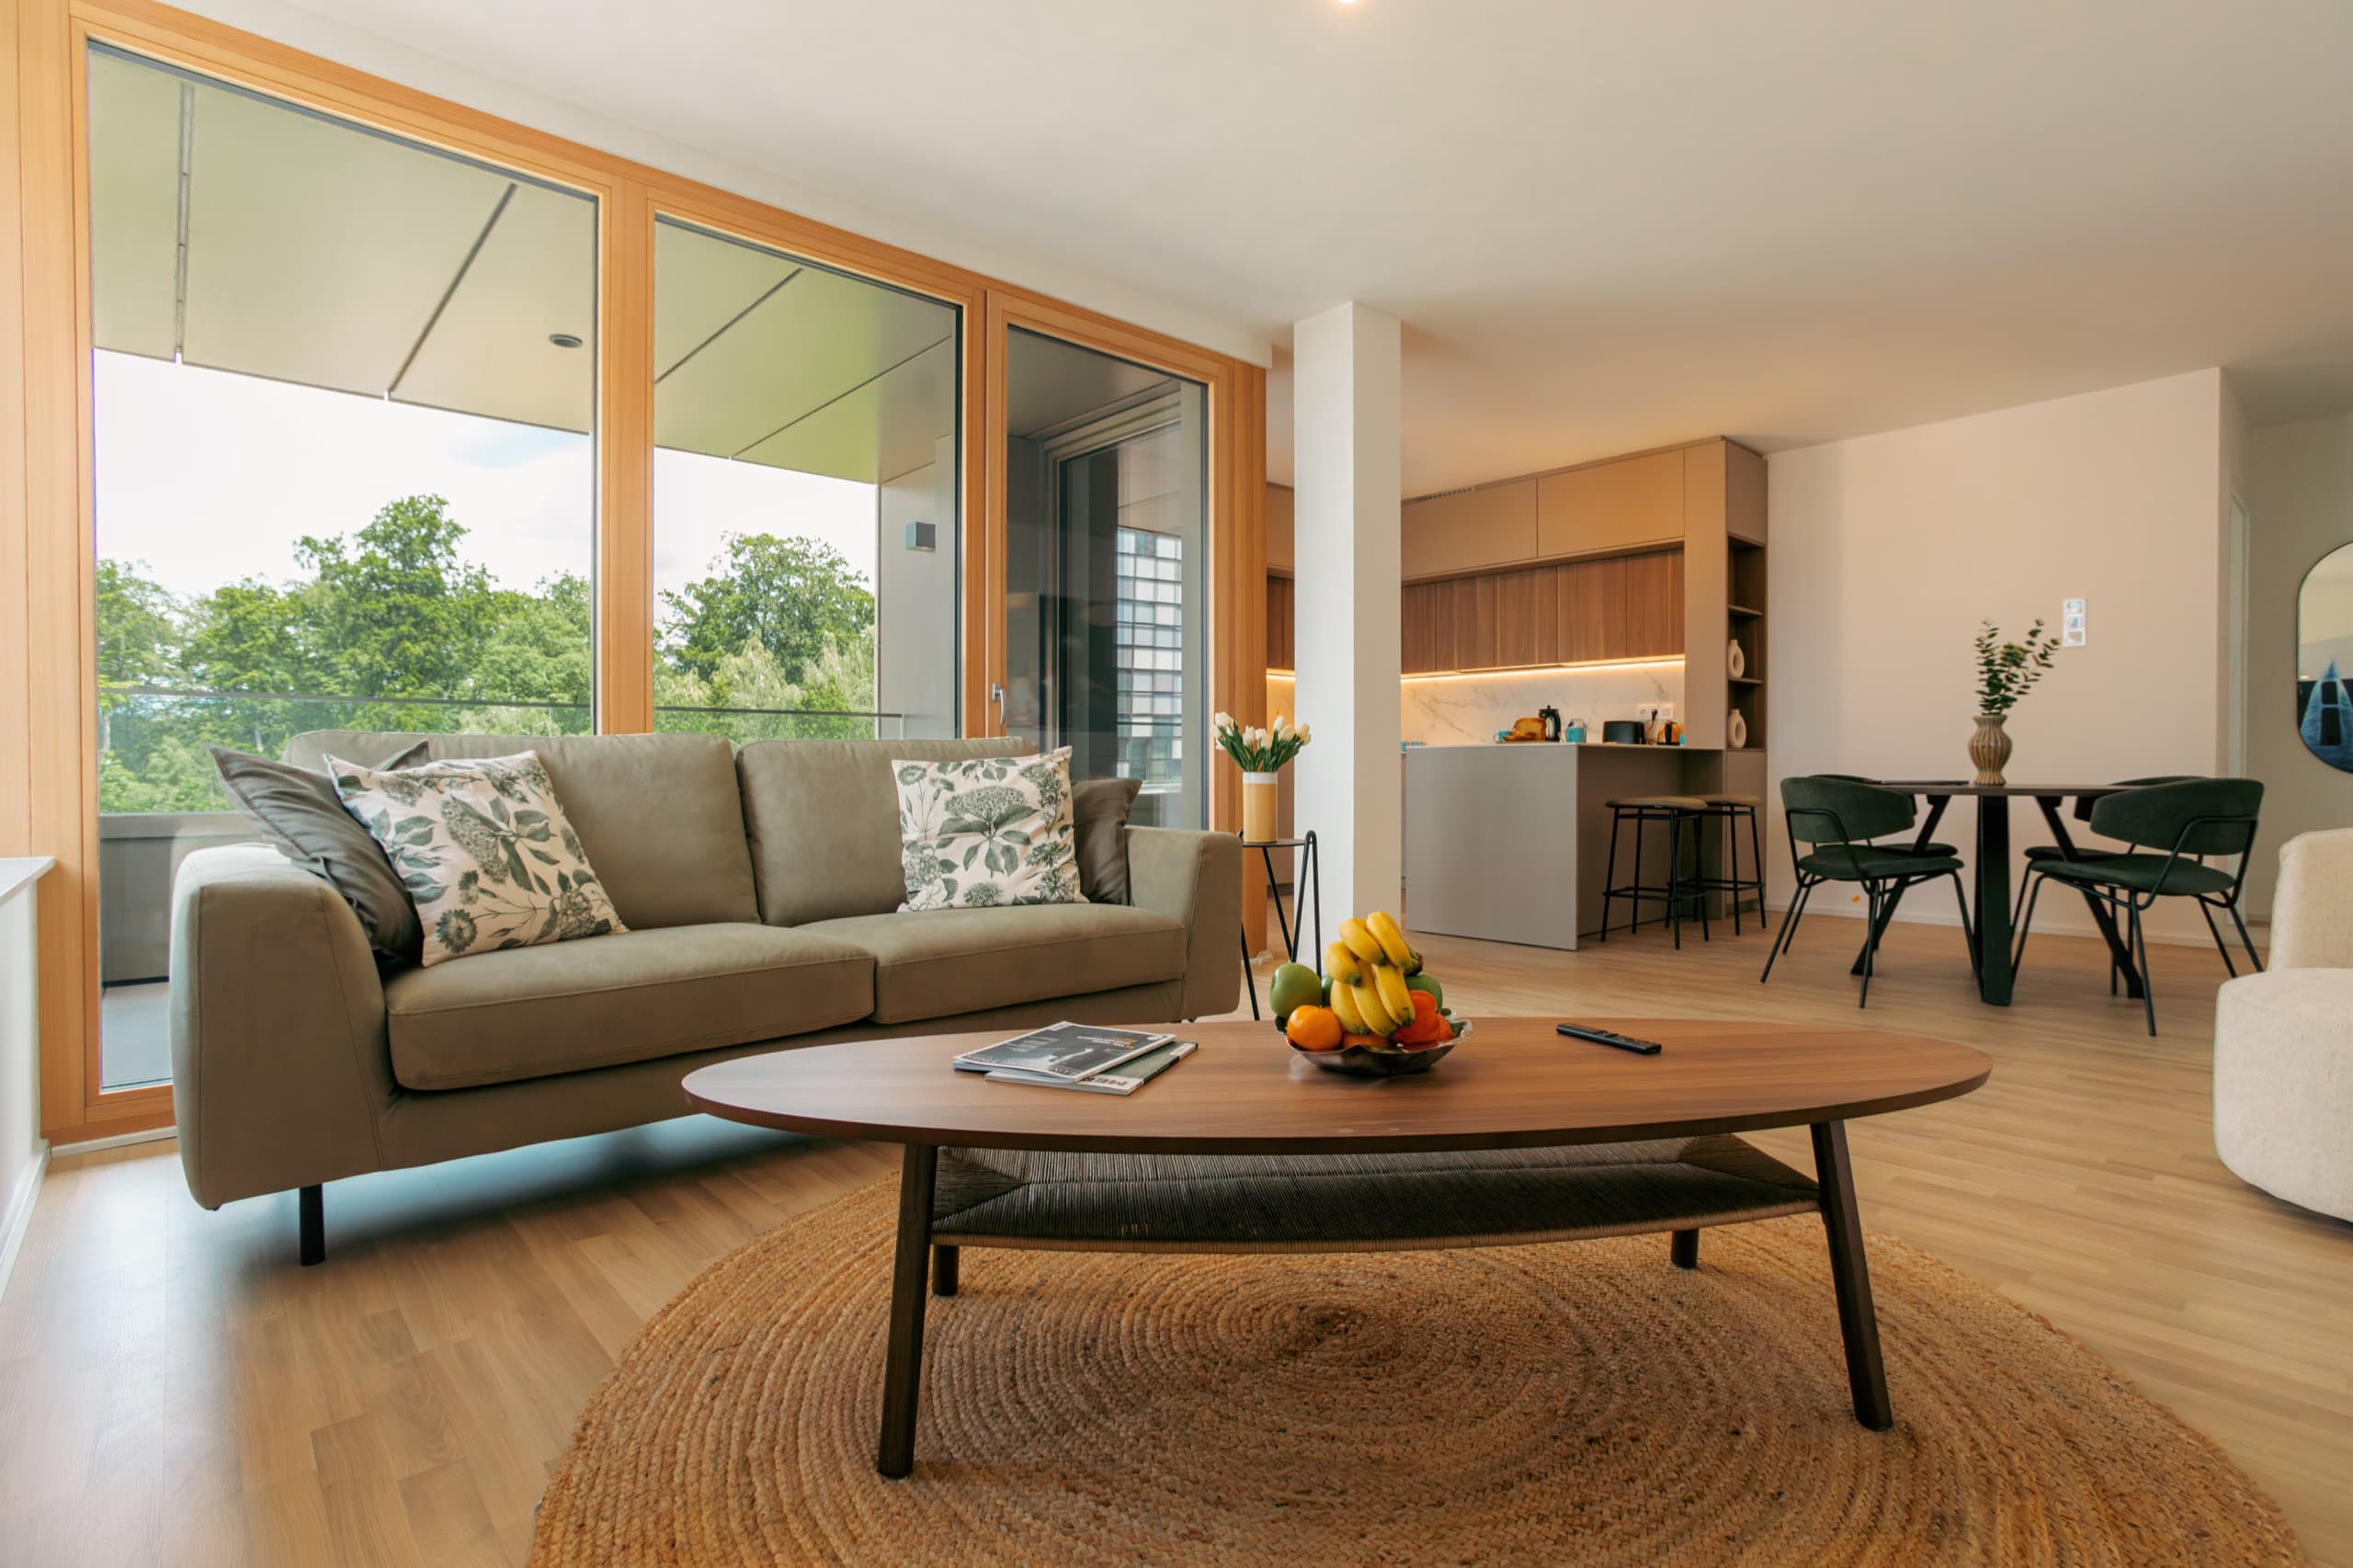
[(483, 850), (993, 830)]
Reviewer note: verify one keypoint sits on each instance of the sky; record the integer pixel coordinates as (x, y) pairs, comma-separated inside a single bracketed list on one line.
[(208, 477)]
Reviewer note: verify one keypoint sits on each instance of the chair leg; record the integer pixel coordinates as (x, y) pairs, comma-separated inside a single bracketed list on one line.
[(1796, 906), (1683, 1249), (2244, 939), (1871, 943), (2141, 958), (2216, 932), (1789, 922)]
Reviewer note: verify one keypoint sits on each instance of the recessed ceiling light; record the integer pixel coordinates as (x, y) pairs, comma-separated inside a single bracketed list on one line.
[(564, 339)]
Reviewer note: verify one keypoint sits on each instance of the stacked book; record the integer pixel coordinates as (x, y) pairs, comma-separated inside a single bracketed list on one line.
[(1078, 1056)]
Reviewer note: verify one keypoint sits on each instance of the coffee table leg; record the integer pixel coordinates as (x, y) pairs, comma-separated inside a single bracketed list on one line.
[(1866, 1375), (903, 1371)]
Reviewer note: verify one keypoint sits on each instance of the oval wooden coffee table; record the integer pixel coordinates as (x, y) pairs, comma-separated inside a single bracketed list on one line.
[(1520, 1136)]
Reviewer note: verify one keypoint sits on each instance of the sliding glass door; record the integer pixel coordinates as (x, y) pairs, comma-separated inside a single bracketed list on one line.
[(344, 466), (805, 498), (1106, 557)]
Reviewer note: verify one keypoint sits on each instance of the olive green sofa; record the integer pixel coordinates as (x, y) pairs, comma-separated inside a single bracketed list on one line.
[(760, 888)]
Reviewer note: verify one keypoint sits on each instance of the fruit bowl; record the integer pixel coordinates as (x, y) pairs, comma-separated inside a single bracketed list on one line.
[(1394, 1062)]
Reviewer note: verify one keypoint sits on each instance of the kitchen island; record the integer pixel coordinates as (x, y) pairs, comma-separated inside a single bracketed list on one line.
[(1511, 843)]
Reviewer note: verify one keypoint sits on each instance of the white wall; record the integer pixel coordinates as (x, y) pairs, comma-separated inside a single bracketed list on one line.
[(21, 1149), (1887, 550), (2300, 496), (915, 601)]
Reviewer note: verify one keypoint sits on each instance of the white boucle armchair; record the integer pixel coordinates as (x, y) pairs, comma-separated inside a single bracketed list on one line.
[(2283, 1039)]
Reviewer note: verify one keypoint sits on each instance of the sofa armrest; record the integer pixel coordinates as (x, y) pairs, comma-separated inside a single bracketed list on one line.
[(281, 1068), (1195, 878)]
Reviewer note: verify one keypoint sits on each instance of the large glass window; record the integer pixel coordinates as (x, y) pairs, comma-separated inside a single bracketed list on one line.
[(805, 498), (345, 465), (1106, 569)]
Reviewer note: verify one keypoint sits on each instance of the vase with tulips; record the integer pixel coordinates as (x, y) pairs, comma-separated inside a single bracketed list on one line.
[(1261, 753)]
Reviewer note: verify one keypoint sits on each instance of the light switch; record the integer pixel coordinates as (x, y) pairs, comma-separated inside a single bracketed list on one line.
[(2071, 623)]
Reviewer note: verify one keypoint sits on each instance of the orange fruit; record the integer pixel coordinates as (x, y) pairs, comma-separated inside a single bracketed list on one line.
[(1372, 1040), (1313, 1029), (1427, 1028)]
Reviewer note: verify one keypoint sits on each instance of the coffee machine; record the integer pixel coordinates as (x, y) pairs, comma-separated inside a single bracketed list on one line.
[(1551, 717)]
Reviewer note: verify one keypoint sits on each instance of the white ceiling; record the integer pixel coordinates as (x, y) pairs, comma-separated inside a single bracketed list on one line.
[(1605, 225)]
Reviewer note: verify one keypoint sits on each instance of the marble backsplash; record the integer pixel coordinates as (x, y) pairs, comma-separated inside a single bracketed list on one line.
[(1458, 710)]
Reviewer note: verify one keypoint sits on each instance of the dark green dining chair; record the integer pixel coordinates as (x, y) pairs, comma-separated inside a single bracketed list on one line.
[(1933, 848), (2082, 812), (1835, 820), (2170, 832)]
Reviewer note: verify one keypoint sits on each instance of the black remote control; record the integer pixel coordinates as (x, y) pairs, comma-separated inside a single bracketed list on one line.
[(1604, 1037)]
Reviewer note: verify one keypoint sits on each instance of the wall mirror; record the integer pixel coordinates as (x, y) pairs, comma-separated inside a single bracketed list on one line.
[(2325, 658)]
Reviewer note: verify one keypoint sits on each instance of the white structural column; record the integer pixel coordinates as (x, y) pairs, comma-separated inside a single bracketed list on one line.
[(1346, 444)]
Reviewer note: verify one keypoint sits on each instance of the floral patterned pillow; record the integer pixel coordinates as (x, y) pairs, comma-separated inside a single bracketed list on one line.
[(483, 850), (993, 830)]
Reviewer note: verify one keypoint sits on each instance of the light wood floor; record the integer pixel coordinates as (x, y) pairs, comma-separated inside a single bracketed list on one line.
[(172, 1389)]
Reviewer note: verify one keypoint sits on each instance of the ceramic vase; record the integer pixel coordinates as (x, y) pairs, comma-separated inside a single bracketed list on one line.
[(1989, 748), (1259, 814)]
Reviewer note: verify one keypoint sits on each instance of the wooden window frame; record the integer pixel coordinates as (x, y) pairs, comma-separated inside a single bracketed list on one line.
[(48, 663)]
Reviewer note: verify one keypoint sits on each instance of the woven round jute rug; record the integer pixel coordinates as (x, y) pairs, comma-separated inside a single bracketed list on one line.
[(1583, 1403)]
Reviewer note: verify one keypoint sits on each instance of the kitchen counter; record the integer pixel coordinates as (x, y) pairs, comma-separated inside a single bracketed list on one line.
[(1510, 843)]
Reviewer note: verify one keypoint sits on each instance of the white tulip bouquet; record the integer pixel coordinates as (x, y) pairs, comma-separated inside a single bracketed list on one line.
[(1260, 751)]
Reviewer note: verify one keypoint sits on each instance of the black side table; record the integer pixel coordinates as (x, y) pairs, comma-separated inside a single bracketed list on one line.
[(1311, 871)]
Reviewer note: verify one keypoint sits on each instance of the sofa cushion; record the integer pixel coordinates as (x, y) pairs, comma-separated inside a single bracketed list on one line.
[(486, 851), (989, 831), (298, 811), (1100, 807), (822, 817), (532, 1012), (937, 962), (659, 816)]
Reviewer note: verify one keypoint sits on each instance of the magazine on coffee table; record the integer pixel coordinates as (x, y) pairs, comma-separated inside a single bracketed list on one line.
[(1126, 1080), (1062, 1051)]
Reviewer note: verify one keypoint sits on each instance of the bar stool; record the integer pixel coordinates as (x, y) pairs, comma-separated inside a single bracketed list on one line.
[(1729, 809), (1677, 889)]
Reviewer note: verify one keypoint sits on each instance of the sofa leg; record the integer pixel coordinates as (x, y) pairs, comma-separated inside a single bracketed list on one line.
[(310, 1202)]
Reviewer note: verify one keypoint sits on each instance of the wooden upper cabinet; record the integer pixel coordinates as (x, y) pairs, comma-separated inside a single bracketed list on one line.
[(1613, 505), (1281, 553), (1470, 530)]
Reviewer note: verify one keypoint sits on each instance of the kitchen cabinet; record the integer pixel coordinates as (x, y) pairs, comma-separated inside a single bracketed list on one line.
[(1282, 551), (1623, 606), (1623, 505), (1281, 638), (1653, 624), (1470, 530)]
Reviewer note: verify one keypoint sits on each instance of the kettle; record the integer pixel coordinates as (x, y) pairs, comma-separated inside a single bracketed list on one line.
[(1551, 717)]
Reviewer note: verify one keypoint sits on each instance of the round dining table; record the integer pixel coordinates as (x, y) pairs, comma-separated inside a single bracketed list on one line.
[(1992, 917)]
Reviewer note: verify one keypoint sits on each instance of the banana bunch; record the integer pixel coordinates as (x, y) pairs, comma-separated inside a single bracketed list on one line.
[(1368, 967)]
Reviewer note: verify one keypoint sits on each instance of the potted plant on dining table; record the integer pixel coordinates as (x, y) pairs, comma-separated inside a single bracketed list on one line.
[(1261, 755), (2005, 672)]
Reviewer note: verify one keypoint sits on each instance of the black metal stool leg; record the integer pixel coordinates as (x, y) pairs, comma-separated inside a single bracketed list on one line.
[(1610, 872), (1674, 875)]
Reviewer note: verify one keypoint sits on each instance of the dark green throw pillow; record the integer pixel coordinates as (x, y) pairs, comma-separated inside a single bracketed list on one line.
[(299, 814), (1099, 809)]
